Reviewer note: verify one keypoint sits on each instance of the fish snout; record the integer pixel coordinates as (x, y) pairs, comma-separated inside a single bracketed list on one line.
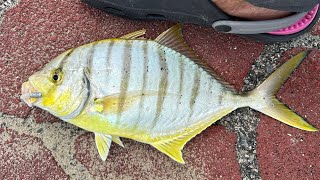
[(29, 94)]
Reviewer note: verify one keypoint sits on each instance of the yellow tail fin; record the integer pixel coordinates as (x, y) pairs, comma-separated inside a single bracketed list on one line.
[(264, 99)]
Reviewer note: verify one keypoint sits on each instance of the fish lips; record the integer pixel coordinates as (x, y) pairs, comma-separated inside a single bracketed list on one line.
[(29, 94)]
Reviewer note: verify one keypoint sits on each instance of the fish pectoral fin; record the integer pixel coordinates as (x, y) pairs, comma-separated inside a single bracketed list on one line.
[(103, 143), (112, 102), (134, 35), (117, 140), (172, 145)]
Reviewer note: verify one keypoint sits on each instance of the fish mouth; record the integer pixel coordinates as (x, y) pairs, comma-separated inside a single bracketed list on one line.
[(29, 94)]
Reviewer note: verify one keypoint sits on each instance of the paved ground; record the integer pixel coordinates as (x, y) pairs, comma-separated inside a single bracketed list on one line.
[(245, 144)]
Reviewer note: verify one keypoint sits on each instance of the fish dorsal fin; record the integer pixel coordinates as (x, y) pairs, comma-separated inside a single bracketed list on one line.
[(173, 144), (134, 35), (173, 39), (103, 143), (117, 140)]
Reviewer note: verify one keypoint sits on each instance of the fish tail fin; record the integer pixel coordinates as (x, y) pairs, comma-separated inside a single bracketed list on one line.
[(265, 101)]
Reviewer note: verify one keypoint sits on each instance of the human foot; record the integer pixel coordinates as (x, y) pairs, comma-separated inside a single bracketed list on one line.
[(243, 9)]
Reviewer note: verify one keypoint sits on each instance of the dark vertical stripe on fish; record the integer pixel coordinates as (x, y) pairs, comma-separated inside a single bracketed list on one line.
[(181, 64), (90, 61), (126, 68), (108, 62), (221, 97), (90, 58), (181, 68), (144, 81), (162, 87), (64, 59), (195, 90), (108, 56)]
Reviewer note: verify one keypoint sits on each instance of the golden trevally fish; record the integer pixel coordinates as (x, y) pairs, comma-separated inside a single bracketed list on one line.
[(153, 91)]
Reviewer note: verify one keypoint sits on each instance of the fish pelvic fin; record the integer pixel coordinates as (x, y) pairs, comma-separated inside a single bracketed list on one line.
[(117, 140), (172, 145), (103, 143), (264, 99)]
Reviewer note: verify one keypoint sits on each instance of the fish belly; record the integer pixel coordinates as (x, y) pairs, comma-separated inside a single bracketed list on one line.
[(175, 92)]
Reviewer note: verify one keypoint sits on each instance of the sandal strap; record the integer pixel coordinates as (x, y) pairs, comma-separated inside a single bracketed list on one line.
[(256, 27), (202, 12)]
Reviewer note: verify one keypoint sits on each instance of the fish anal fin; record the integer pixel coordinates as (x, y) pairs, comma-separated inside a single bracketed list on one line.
[(117, 140), (103, 143), (172, 145), (173, 39), (134, 35), (172, 148)]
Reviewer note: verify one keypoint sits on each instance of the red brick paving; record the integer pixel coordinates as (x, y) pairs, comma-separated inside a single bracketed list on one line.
[(25, 157), (36, 31), (285, 152), (316, 29), (214, 151)]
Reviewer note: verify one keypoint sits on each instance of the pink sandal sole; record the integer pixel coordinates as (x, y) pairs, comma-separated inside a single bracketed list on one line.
[(299, 25)]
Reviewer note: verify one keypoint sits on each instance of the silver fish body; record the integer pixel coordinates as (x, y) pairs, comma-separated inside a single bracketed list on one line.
[(182, 92)]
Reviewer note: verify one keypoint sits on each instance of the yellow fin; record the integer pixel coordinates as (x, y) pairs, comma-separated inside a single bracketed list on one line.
[(117, 140), (172, 149), (173, 39), (103, 143), (111, 102), (172, 145), (282, 113), (275, 81), (134, 35), (265, 95)]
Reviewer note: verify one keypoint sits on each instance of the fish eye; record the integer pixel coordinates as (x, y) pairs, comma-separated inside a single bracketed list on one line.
[(56, 76)]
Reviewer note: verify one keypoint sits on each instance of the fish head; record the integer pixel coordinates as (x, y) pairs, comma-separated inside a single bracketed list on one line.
[(57, 88)]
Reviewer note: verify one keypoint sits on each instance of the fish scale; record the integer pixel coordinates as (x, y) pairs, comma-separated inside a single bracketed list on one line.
[(153, 91)]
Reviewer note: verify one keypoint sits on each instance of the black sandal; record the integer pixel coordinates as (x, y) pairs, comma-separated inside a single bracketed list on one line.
[(205, 12)]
